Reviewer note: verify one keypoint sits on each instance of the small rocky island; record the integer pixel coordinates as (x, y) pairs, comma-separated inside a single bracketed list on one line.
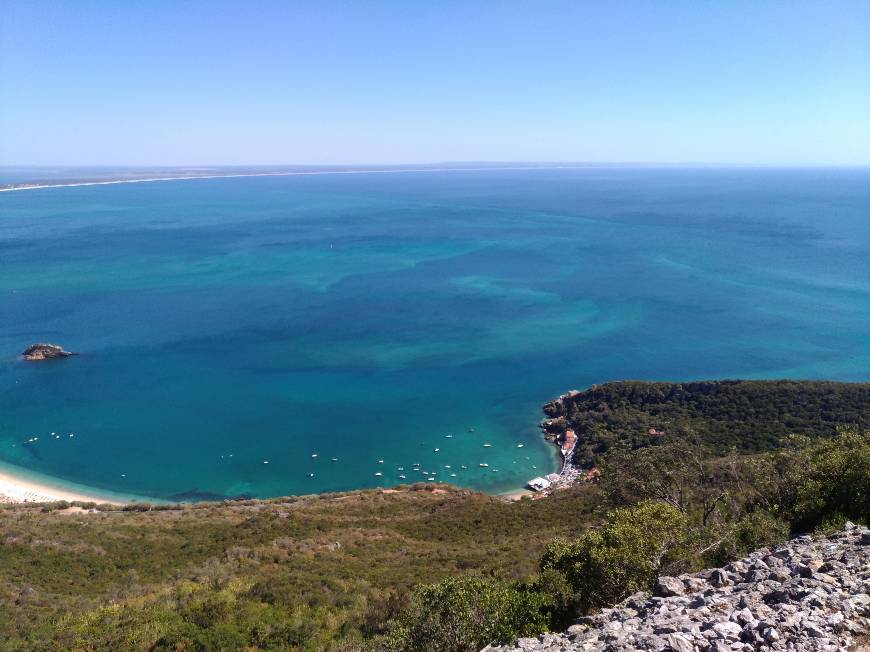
[(37, 352)]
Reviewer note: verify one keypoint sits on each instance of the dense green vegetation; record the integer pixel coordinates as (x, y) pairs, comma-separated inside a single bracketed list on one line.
[(626, 555), (468, 612), (318, 572), (428, 567), (750, 415)]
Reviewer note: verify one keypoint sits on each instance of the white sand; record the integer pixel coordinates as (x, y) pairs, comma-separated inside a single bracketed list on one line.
[(517, 494), (14, 489)]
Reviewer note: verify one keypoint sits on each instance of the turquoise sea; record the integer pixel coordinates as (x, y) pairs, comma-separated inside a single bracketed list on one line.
[(224, 323)]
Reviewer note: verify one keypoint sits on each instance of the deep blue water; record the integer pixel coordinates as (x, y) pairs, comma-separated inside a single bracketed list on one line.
[(227, 322)]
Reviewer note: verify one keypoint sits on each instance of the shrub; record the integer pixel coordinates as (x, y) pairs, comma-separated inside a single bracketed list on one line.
[(754, 530), (833, 481), (466, 613), (627, 555)]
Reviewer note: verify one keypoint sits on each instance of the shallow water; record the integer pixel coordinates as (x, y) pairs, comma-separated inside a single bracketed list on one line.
[(224, 323)]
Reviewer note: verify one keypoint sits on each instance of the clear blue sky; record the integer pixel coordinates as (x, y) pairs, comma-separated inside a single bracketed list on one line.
[(258, 82)]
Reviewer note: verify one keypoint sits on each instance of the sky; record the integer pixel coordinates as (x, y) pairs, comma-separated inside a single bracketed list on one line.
[(327, 82)]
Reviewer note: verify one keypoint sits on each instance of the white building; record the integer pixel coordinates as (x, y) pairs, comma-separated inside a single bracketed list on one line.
[(538, 484)]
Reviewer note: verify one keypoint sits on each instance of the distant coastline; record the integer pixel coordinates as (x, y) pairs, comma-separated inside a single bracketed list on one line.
[(35, 185), (35, 177)]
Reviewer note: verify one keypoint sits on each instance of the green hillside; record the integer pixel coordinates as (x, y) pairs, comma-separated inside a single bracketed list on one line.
[(320, 572)]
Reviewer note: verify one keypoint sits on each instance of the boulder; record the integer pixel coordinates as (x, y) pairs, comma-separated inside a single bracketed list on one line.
[(679, 643), (667, 587)]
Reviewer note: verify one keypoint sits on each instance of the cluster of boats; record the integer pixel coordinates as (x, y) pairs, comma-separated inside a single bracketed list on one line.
[(417, 467), (54, 435), (431, 475)]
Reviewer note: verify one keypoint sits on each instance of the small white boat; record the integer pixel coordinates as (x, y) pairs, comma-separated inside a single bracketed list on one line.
[(380, 461), (520, 445), (400, 468), (484, 465), (449, 436), (452, 475), (335, 459), (265, 461), (437, 449), (487, 445), (378, 473), (446, 466), (314, 455), (310, 475), (401, 477), (463, 467)]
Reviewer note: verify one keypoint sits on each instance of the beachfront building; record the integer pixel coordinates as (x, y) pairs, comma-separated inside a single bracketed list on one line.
[(538, 484)]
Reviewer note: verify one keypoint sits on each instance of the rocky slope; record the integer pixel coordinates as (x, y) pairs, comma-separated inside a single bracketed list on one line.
[(810, 594)]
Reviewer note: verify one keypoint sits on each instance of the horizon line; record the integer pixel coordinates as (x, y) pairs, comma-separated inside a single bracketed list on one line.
[(373, 169), (476, 162)]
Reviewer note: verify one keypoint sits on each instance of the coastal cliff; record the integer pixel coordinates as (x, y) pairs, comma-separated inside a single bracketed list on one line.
[(808, 594)]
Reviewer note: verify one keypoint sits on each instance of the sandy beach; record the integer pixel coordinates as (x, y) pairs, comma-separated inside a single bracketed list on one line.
[(14, 489), (516, 494)]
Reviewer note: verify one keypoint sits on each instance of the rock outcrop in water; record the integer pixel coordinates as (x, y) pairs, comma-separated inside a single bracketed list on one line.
[(809, 594), (38, 352)]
